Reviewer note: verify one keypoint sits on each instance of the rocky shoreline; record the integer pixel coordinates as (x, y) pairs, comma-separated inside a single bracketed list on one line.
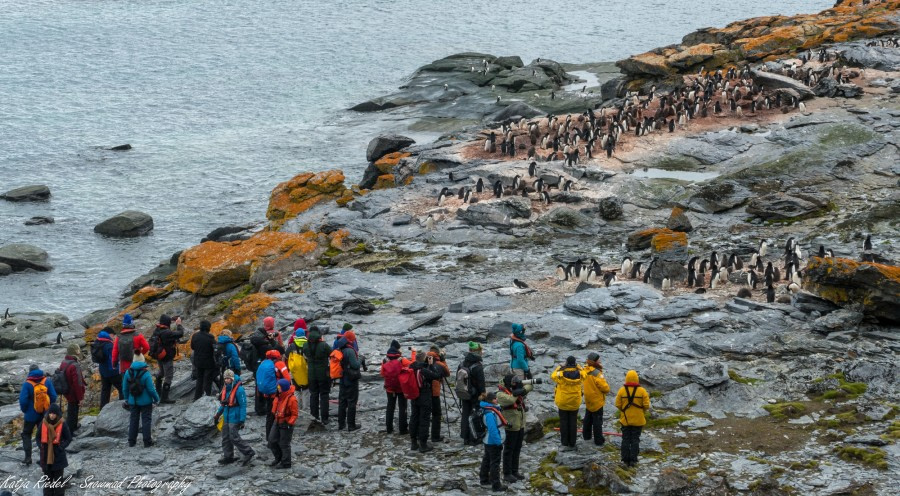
[(793, 396)]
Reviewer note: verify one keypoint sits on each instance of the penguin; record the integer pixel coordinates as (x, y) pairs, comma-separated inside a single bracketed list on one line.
[(539, 185), (714, 258), (759, 264), (753, 279), (829, 253), (519, 284), (442, 196), (794, 287), (562, 273), (578, 268), (770, 294), (429, 222), (467, 196), (636, 270), (516, 183), (545, 197), (59, 338), (789, 245), (821, 253), (723, 276), (692, 262), (700, 281), (532, 168), (609, 278), (479, 186), (703, 266), (626, 265), (461, 193), (796, 277), (700, 291), (692, 277), (867, 245), (498, 189), (568, 185), (753, 259), (714, 280)]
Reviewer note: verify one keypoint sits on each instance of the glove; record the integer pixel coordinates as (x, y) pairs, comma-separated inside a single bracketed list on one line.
[(240, 425), (216, 419), (519, 392), (528, 374)]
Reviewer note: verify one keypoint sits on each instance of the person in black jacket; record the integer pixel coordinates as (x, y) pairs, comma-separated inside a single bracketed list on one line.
[(203, 344), (166, 360), (53, 436), (348, 394), (420, 420), (316, 351), (473, 363), (264, 339)]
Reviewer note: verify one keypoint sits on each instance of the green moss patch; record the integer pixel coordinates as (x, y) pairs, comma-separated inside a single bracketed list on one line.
[(872, 457), (227, 302), (740, 379), (548, 471), (791, 409), (657, 423), (845, 390)]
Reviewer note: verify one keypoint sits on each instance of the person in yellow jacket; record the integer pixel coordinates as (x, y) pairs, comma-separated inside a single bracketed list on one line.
[(568, 400), (298, 365), (632, 400), (595, 390)]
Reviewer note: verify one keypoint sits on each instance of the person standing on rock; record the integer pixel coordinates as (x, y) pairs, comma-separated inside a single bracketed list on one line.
[(102, 350), (298, 365), (140, 395), (390, 371), (203, 344), (493, 442), (75, 381), (420, 421), (264, 340), (128, 344), (520, 353), (233, 405), (469, 387), (53, 438), (633, 401), (316, 351), (284, 407), (346, 327), (595, 390), (440, 362), (35, 397), (162, 349), (568, 400), (270, 371), (511, 397), (348, 394), (229, 358)]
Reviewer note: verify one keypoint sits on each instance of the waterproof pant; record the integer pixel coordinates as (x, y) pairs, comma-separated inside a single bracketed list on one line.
[(348, 395), (568, 427), (166, 372), (631, 443), (142, 415), (280, 443), (231, 439), (204, 379), (420, 420), (302, 397), (56, 478), (259, 402), (318, 398), (435, 418), (466, 411), (592, 426), (512, 448), (394, 399), (107, 383), (72, 415), (270, 415), (27, 435), (490, 465)]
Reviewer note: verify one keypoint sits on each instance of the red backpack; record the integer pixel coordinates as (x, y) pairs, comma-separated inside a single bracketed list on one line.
[(409, 383), (391, 372)]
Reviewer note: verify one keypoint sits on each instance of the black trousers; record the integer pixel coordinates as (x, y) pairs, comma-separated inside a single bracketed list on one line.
[(204, 379), (420, 420), (512, 448), (270, 415), (435, 417), (57, 477), (568, 426), (279, 441), (318, 398), (466, 412), (593, 426), (107, 383), (28, 435), (142, 415), (72, 415), (490, 465), (259, 402), (631, 443), (348, 396), (393, 400)]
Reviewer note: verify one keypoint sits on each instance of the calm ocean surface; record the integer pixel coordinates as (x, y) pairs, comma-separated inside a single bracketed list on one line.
[(223, 99)]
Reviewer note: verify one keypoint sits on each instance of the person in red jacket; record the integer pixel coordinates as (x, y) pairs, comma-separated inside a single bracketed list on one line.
[(390, 371), (286, 409), (128, 344), (75, 380)]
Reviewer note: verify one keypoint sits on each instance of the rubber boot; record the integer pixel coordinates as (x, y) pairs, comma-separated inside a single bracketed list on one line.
[(165, 394), (415, 445), (158, 384)]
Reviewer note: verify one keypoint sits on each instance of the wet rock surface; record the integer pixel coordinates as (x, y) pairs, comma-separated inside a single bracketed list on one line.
[(128, 224)]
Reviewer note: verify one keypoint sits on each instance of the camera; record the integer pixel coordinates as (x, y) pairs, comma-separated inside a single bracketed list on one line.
[(533, 381)]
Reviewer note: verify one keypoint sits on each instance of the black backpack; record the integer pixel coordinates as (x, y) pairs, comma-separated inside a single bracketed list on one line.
[(135, 385), (248, 355), (97, 354), (476, 425), (221, 356), (60, 384), (156, 346)]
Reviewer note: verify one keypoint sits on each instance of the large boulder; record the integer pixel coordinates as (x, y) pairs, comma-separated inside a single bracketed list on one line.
[(780, 206), (718, 197), (299, 194), (128, 224), (776, 81), (384, 144), (678, 221), (21, 257), (113, 420), (504, 213), (640, 240), (37, 192), (197, 420), (29, 330), (383, 168), (872, 288), (874, 57), (610, 207), (514, 109)]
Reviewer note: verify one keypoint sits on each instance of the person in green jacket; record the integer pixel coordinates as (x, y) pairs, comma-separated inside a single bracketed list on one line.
[(511, 397), (316, 352)]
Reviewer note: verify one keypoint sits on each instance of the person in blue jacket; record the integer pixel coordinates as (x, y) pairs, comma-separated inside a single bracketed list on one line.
[(27, 403), (519, 352), (231, 351), (109, 375), (137, 378), (493, 442), (267, 385), (233, 405)]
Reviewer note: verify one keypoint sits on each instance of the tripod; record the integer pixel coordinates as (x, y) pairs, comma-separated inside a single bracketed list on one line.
[(446, 406)]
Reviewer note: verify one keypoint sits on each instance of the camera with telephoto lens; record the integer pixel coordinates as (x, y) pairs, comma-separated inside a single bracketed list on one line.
[(533, 381)]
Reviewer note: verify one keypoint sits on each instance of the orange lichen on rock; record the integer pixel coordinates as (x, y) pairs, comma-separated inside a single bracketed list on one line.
[(150, 293), (874, 287), (663, 242), (338, 239), (244, 314), (640, 240), (386, 163), (213, 267), (384, 181), (293, 197)]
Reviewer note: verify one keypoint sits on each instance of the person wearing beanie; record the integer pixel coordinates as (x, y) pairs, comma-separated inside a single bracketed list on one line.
[(633, 401), (285, 410), (270, 371), (519, 352), (230, 358), (420, 421), (110, 378), (233, 411), (469, 387), (264, 340), (436, 386), (140, 395), (568, 381), (595, 390), (348, 386), (297, 365), (390, 371), (53, 438), (346, 327), (495, 427), (128, 344), (511, 397), (71, 368), (203, 347), (300, 324), (35, 397), (163, 350)]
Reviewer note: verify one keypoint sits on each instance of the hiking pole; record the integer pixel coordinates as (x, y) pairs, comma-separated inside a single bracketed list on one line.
[(452, 395), (446, 411)]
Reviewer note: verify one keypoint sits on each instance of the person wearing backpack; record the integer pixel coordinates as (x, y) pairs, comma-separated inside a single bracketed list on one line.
[(233, 405), (162, 349), (128, 344), (270, 371), (436, 386), (53, 437), (102, 355), (203, 345), (140, 396), (297, 365), (426, 372), (285, 410), (346, 327), (595, 390), (317, 351), (264, 340), (227, 355), (390, 371), (568, 400), (519, 352), (75, 385), (348, 393), (633, 401), (469, 387), (493, 442), (35, 398), (511, 397)]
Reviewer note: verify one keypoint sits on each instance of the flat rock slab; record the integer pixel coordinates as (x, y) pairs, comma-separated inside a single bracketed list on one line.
[(21, 257), (37, 192), (128, 224)]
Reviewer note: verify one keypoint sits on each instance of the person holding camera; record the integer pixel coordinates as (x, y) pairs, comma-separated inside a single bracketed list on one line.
[(469, 387), (595, 390), (348, 392), (511, 397), (390, 371), (568, 381), (520, 353), (420, 421), (440, 361), (233, 405)]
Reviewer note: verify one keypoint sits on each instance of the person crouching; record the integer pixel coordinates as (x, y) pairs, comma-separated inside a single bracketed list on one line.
[(286, 410)]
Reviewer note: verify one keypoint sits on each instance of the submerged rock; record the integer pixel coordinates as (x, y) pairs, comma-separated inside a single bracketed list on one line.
[(20, 256), (128, 224), (37, 192)]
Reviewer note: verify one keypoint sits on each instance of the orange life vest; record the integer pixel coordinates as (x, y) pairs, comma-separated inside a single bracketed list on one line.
[(58, 432), (231, 402)]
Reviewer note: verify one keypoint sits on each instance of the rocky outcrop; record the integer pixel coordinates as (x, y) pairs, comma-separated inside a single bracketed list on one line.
[(40, 220), (777, 81), (717, 197), (641, 240), (21, 257), (298, 195), (781, 206), (610, 208), (872, 288), (27, 193), (29, 330), (386, 143), (503, 213), (128, 224), (678, 221), (388, 171)]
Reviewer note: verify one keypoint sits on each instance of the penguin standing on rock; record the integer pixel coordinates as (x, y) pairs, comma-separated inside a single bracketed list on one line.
[(867, 245), (770, 294), (626, 265), (636, 269), (479, 186), (545, 197), (442, 196), (519, 284), (562, 273), (498, 189)]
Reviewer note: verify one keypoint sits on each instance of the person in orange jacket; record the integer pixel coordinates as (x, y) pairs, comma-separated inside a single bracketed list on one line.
[(441, 362), (286, 409)]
